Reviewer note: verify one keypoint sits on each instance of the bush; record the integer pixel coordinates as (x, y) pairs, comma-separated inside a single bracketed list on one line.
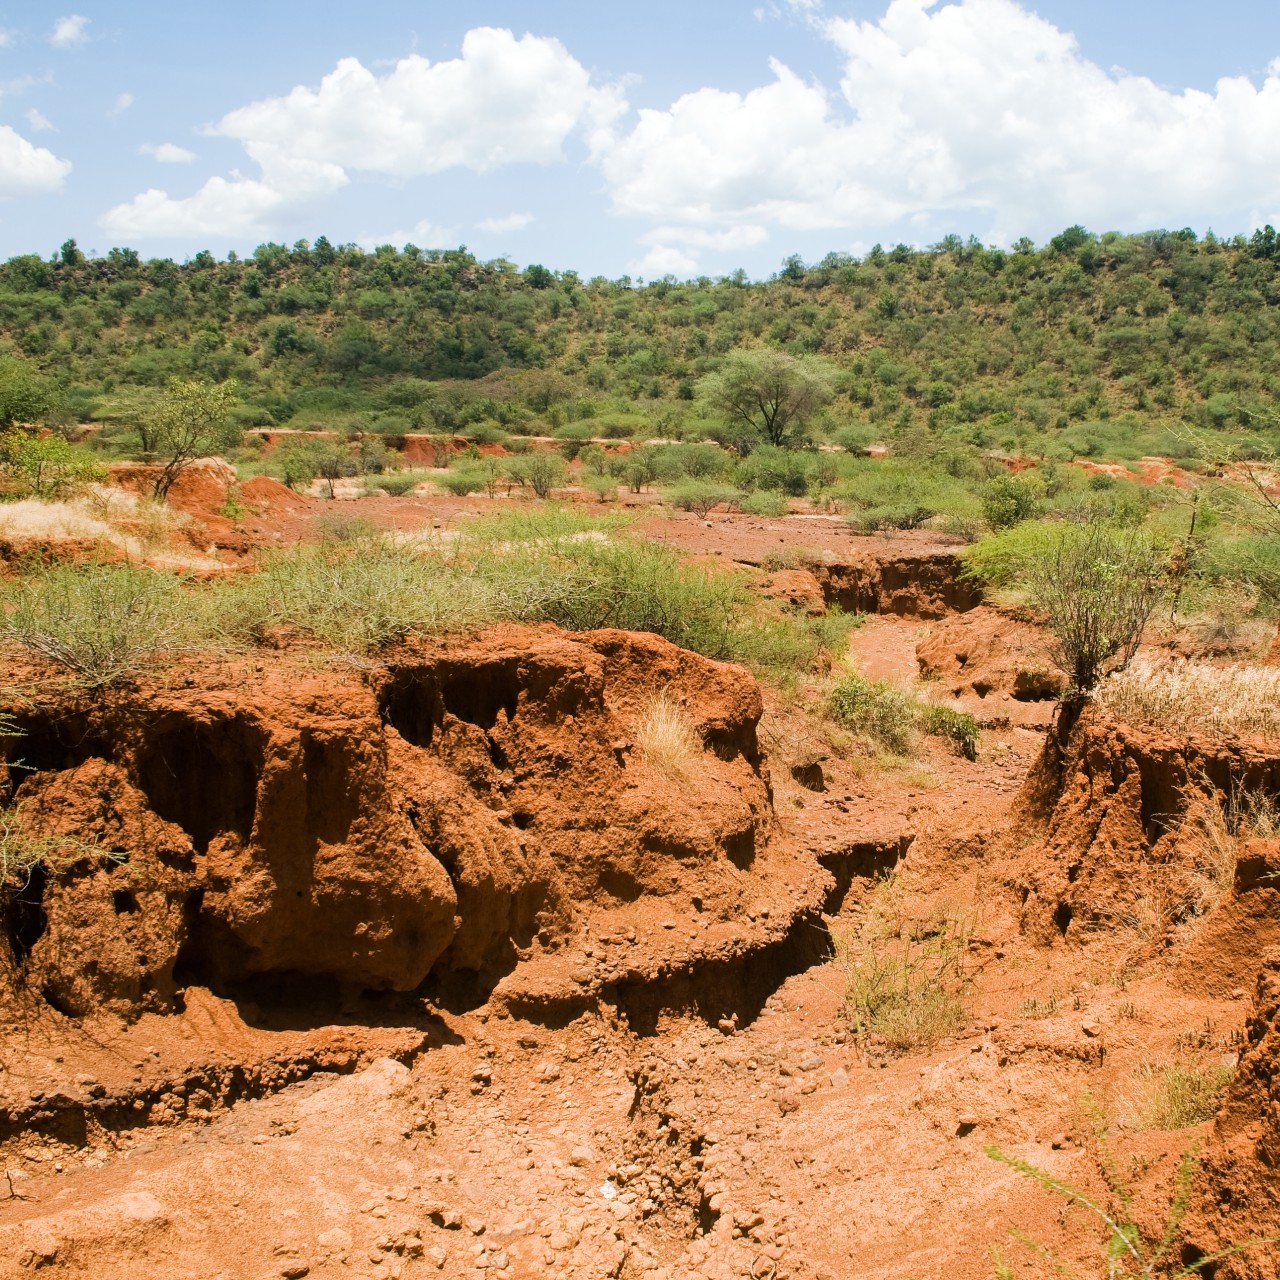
[(540, 470), (764, 503), (700, 497), (958, 727), (1008, 500), (99, 621), (461, 481), (399, 483), (605, 488), (877, 710)]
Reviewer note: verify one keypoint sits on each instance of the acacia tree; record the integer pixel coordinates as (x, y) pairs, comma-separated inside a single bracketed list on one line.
[(191, 420), (1098, 586), (770, 392)]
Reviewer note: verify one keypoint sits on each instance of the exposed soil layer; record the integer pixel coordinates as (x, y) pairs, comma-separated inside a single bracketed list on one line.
[(435, 968)]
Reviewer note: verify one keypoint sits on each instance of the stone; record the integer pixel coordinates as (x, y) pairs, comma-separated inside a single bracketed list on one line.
[(839, 1078)]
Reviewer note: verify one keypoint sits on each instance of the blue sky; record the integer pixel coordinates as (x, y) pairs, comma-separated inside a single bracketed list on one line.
[(690, 137)]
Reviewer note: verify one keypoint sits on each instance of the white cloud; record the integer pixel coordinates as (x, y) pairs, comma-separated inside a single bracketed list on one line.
[(665, 260), (503, 101), (977, 112), (503, 225), (28, 170), (746, 236), (235, 208), (69, 31), (38, 120), (425, 234), (122, 104), (167, 153), (6, 38)]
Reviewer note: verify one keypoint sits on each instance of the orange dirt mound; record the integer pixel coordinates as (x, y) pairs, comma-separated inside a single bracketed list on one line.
[(984, 651)]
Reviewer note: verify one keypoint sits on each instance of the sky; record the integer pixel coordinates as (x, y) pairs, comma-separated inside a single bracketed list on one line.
[(683, 137)]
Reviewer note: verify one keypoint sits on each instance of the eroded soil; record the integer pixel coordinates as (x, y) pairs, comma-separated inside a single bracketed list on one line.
[(424, 970)]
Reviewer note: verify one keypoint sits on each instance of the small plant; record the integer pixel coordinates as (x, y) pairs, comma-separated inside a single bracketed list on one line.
[(904, 984), (1126, 1251), (764, 503), (462, 482), (700, 497), (875, 709), (958, 727), (889, 716), (1034, 1008), (1176, 1095), (23, 850), (397, 484), (668, 739)]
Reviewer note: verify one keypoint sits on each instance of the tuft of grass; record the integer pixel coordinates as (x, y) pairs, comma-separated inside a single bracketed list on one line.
[(667, 737), (877, 710), (1176, 1095), (1216, 701), (904, 984), (1034, 1008), (889, 716)]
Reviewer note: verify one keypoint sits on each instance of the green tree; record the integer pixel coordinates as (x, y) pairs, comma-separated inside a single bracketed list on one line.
[(26, 396), (769, 391), (1098, 586), (192, 419)]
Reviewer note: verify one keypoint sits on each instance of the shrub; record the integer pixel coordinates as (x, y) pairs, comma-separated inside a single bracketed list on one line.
[(540, 470), (877, 710), (764, 503), (700, 497), (667, 738), (1098, 586), (399, 483), (99, 621), (461, 481), (605, 488), (1008, 500), (958, 727)]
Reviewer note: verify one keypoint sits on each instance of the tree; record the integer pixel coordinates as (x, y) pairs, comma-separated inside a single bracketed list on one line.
[(47, 464), (769, 391), (1098, 585), (191, 420), (26, 396)]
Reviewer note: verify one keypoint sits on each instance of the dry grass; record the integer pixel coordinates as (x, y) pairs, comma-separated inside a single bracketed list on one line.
[(1175, 1095), (116, 521), (904, 979), (668, 739), (1215, 701)]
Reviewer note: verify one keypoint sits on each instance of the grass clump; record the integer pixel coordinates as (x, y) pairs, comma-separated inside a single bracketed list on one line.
[(1176, 1095), (99, 621), (891, 717), (877, 710), (667, 738), (1216, 701), (904, 980)]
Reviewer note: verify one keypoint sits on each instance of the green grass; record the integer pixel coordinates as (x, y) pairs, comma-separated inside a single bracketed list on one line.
[(891, 717)]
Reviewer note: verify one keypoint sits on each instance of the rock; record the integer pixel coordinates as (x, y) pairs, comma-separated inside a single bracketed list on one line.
[(839, 1078), (581, 1155), (1091, 1028), (811, 1063), (295, 1271)]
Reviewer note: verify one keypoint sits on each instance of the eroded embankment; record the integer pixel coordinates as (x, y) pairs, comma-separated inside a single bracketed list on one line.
[(1140, 842), (471, 821)]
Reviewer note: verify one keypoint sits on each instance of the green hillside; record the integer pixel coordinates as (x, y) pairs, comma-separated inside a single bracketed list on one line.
[(1104, 346)]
